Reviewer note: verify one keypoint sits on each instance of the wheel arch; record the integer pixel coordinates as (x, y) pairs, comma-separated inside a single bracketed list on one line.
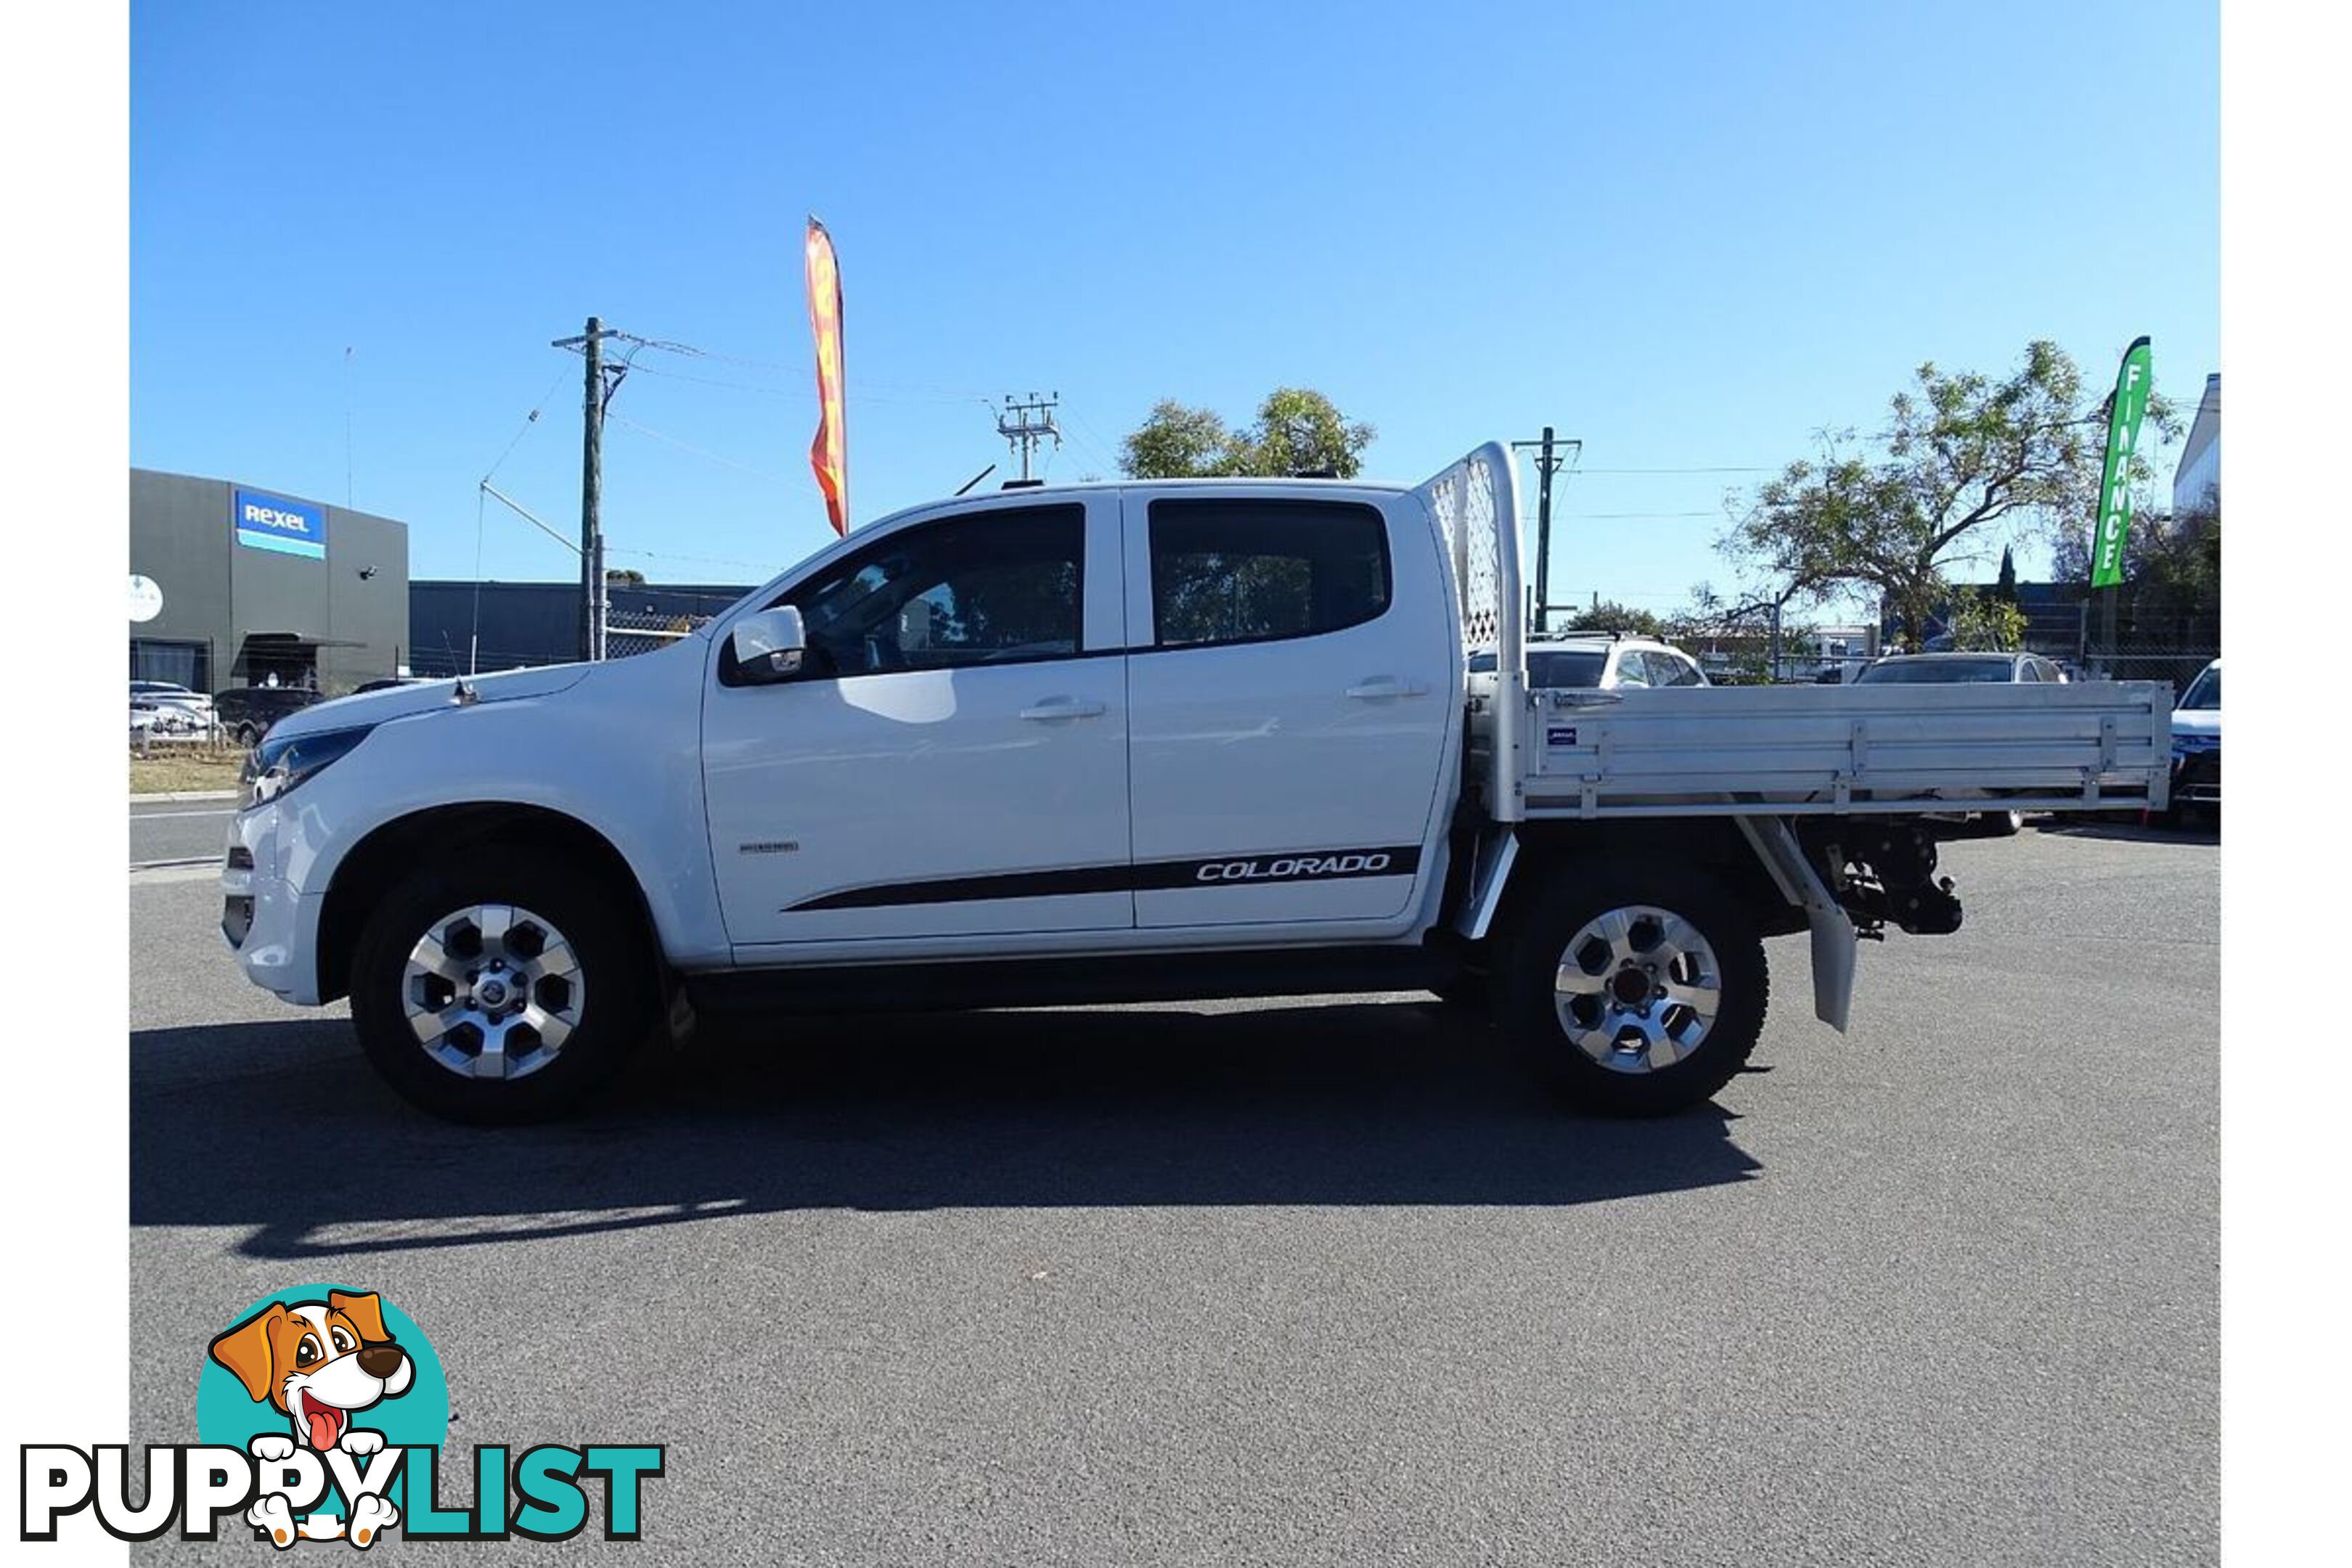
[(395, 848), (1712, 846)]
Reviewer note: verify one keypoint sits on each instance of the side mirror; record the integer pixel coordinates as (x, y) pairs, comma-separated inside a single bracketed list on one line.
[(769, 644)]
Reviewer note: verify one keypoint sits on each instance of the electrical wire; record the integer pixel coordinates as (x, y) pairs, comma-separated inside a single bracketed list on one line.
[(1624, 516), (765, 570), (643, 429), (529, 420)]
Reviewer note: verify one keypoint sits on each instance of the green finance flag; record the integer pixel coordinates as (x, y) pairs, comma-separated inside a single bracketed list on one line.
[(2130, 400)]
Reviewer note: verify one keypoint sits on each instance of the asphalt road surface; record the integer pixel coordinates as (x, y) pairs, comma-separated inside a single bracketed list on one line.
[(1276, 1282), (174, 831)]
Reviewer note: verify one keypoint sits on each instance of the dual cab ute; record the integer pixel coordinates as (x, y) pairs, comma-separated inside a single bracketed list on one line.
[(1119, 742)]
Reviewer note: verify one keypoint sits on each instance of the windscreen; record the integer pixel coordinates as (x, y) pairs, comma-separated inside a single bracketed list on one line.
[(2205, 692), (1927, 671)]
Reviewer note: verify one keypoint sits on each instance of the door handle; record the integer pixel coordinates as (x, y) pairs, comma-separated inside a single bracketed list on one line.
[(1386, 685), (1063, 708)]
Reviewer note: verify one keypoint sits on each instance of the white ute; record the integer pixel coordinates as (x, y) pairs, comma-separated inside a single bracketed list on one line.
[(1120, 743)]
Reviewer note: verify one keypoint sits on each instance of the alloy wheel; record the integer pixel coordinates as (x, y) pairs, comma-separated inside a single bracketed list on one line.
[(492, 991), (1637, 988)]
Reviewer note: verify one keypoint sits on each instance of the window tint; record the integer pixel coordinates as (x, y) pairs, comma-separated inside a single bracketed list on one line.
[(991, 587), (1556, 671), (1675, 670), (1243, 570)]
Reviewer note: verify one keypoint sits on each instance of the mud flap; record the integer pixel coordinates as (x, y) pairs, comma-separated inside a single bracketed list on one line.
[(1489, 871), (1834, 945)]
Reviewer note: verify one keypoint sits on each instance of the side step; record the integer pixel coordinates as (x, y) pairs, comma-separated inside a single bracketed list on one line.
[(1092, 980)]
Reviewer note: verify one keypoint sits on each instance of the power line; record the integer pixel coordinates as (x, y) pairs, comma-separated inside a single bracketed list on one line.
[(529, 420), (763, 568), (1700, 471), (643, 429), (1099, 447)]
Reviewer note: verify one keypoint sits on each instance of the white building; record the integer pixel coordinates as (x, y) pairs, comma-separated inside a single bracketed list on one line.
[(2197, 482)]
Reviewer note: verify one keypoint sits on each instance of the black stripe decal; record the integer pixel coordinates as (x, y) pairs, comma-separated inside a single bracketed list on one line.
[(1223, 871)]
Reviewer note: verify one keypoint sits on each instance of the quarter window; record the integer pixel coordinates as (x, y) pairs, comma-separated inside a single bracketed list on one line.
[(991, 587), (1240, 570)]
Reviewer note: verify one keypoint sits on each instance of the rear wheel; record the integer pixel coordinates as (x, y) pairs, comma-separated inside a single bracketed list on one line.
[(499, 987), (1635, 990), (2004, 824)]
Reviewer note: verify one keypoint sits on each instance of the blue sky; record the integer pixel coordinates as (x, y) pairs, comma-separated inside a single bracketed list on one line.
[(1691, 236)]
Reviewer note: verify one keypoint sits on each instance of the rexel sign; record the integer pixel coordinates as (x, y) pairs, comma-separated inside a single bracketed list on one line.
[(273, 523)]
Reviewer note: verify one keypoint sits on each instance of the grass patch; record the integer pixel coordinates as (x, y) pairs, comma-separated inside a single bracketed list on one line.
[(185, 767)]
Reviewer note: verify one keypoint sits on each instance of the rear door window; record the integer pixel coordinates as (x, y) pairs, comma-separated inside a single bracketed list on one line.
[(1243, 570)]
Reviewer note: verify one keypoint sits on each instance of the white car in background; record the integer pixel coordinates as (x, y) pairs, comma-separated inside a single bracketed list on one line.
[(2197, 747), (171, 706), (1600, 661), (1953, 669)]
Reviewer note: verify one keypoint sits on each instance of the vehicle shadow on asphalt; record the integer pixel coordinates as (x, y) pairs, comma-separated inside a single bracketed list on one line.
[(282, 1128)]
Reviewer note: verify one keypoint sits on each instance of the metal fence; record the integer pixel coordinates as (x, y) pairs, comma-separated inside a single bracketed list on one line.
[(2151, 647), (627, 633)]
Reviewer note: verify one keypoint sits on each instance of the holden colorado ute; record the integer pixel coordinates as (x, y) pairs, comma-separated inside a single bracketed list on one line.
[(1122, 741)]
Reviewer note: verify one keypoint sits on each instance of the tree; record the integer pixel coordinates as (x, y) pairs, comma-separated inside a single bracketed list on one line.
[(1612, 617), (1983, 623), (2177, 558), (626, 574), (1298, 430), (1965, 459), (2005, 588), (1176, 443)]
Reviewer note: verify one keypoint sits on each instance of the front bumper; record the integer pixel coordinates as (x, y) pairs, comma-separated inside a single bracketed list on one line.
[(272, 928), (2197, 778)]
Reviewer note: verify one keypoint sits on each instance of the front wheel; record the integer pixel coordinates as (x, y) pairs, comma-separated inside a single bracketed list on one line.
[(1635, 990), (498, 986)]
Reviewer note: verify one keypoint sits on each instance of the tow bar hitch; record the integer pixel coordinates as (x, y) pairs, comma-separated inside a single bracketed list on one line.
[(1889, 875)]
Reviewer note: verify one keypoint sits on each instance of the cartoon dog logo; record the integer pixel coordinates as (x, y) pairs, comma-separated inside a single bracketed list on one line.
[(318, 1363)]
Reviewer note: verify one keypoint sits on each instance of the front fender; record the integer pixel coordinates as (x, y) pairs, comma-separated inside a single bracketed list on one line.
[(620, 753)]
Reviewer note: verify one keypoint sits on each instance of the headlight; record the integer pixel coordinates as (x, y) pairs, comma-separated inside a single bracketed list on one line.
[(278, 765)]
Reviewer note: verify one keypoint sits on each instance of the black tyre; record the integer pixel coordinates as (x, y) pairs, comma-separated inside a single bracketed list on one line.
[(1635, 990), (1468, 990), (498, 986), (2003, 824)]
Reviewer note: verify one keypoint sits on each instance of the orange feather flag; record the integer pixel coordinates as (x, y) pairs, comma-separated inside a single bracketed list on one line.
[(829, 453)]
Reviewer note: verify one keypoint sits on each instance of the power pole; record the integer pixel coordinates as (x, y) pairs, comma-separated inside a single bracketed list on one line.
[(600, 383), (1550, 455), (1027, 424)]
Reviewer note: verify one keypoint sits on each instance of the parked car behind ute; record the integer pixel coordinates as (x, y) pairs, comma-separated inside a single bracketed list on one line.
[(2197, 747), (248, 712), (1600, 661), (1943, 669)]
